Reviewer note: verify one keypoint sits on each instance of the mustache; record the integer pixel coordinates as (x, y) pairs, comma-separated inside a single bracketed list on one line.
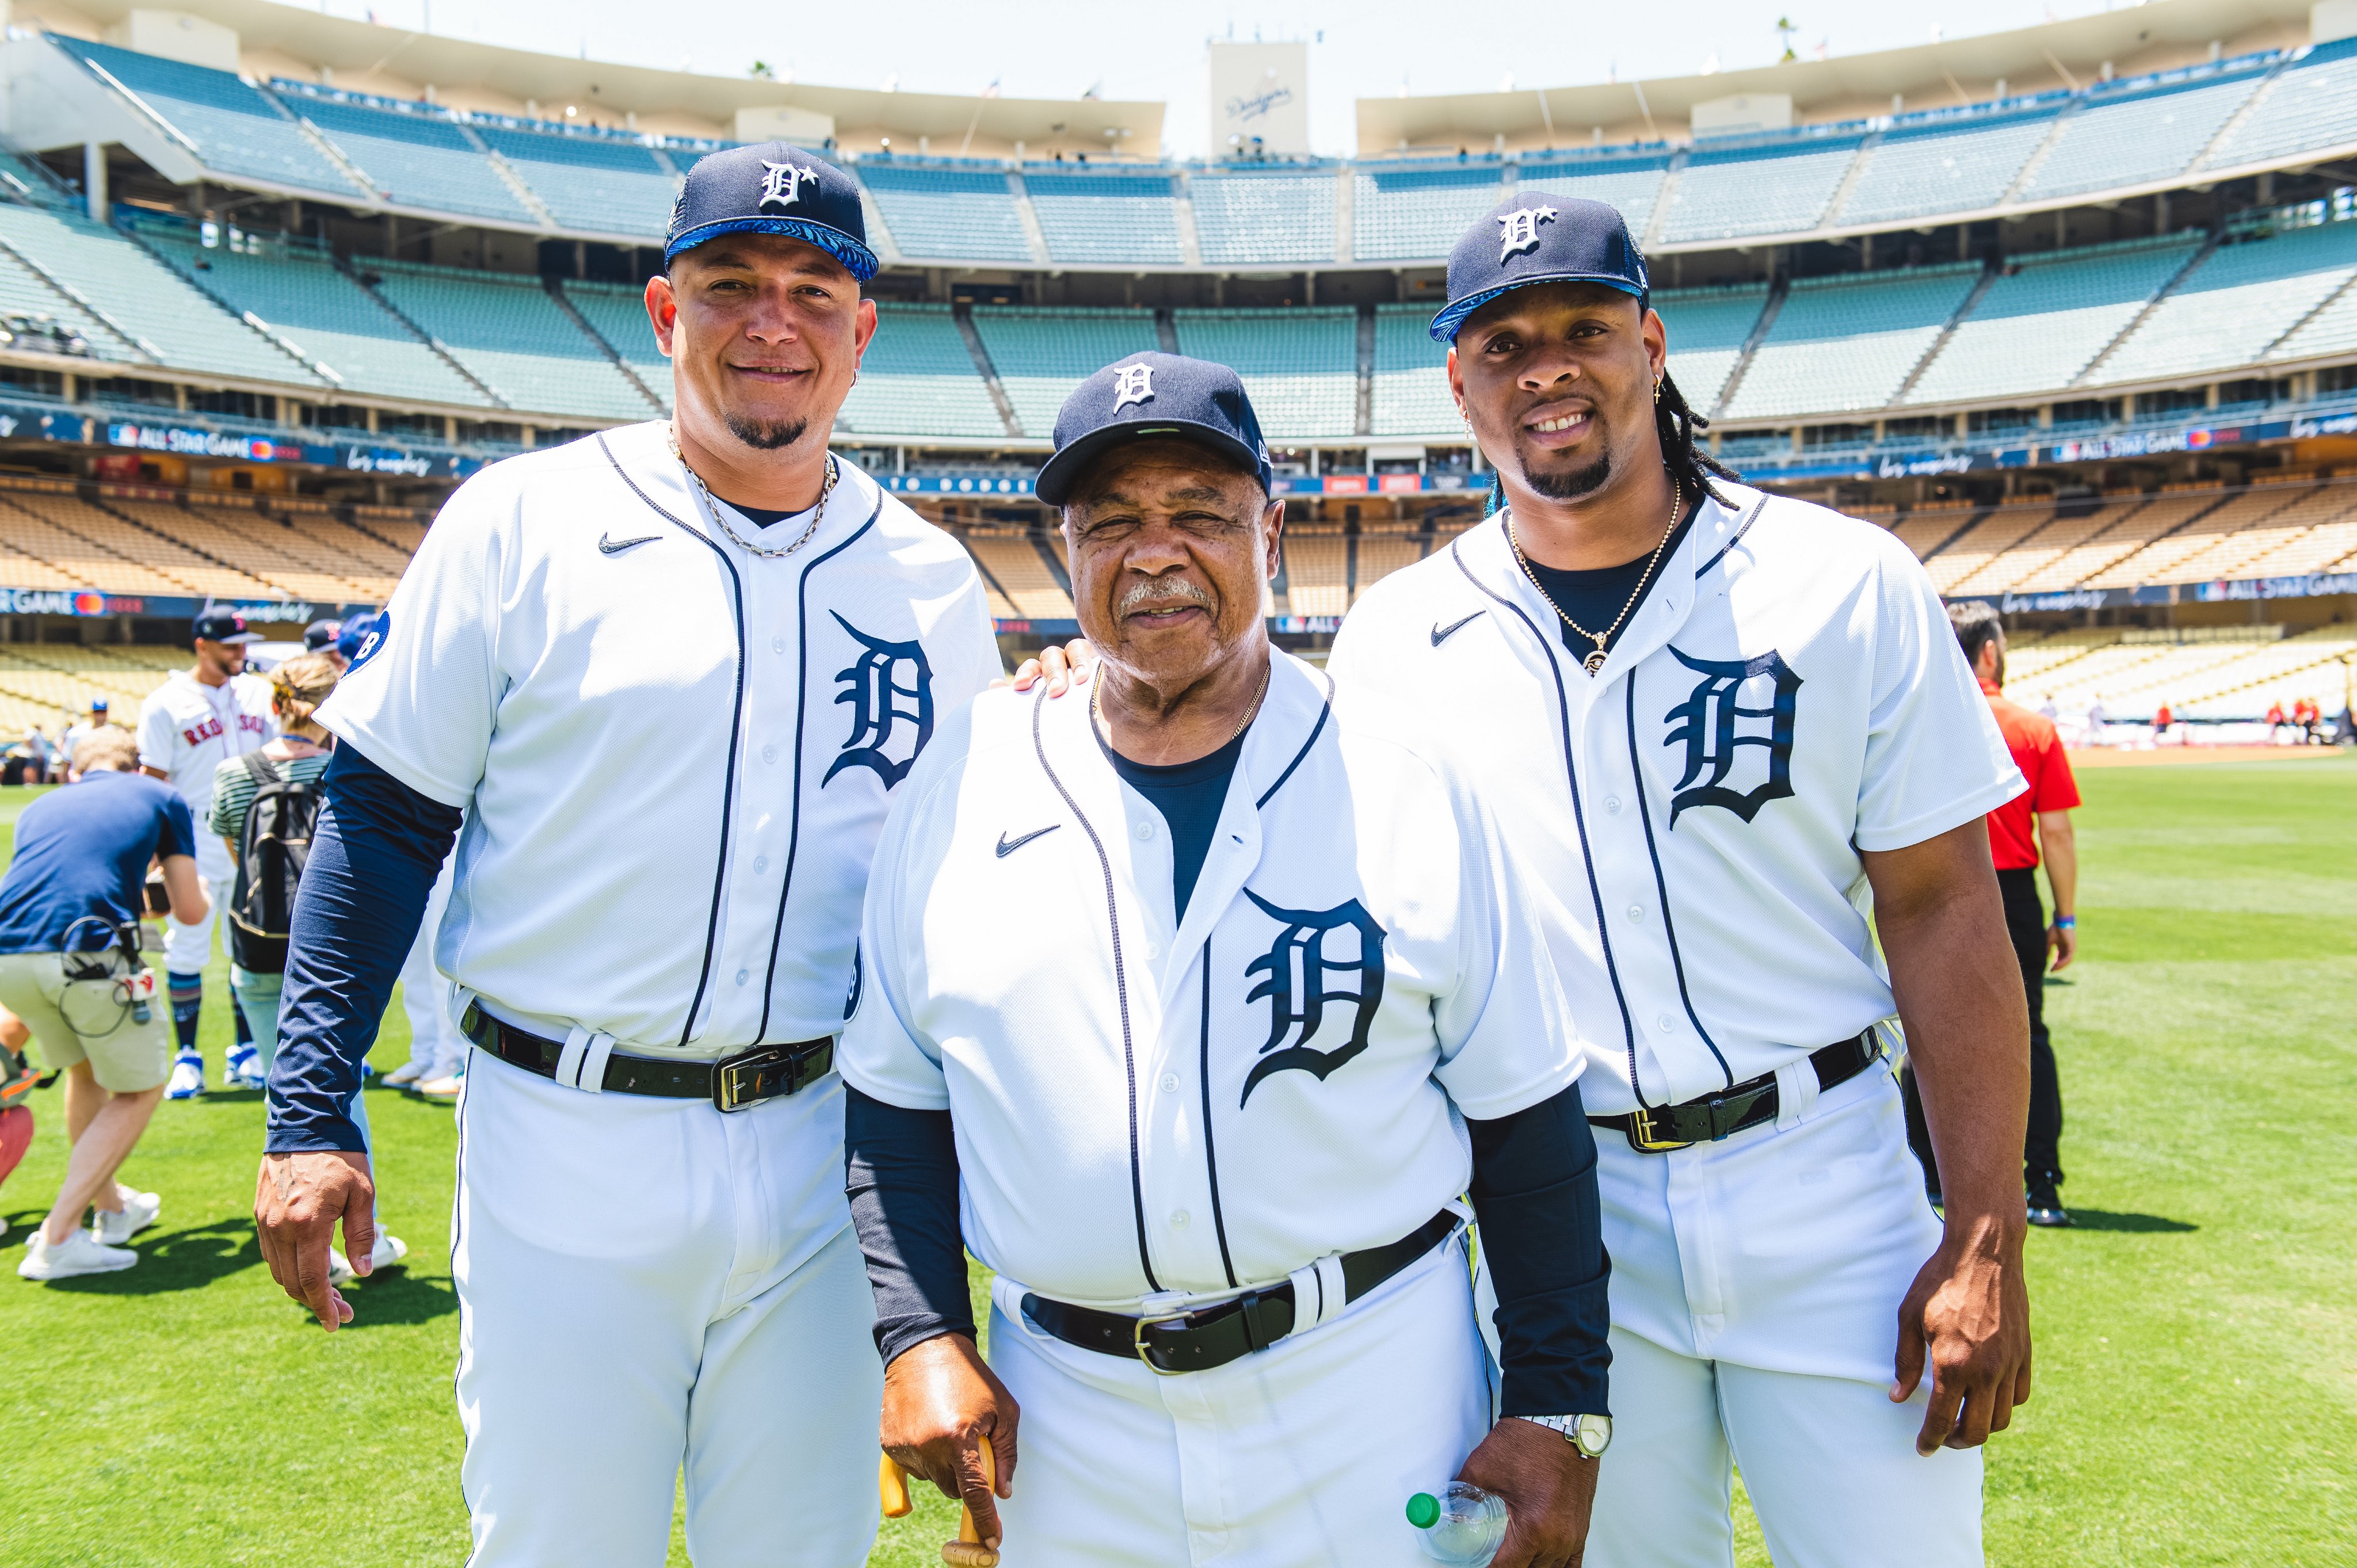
[(1162, 593)]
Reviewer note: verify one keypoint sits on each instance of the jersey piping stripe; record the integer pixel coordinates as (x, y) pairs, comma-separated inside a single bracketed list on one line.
[(1120, 984), (736, 726), (458, 1237), (1662, 888), (1737, 538), (1315, 731), (1211, 1156), (802, 707), (1579, 813)]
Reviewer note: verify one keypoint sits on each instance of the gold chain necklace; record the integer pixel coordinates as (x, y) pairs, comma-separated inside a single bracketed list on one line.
[(1595, 661), (1096, 714), (719, 520)]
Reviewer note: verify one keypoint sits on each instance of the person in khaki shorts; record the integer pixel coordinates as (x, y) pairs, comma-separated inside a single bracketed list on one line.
[(70, 894)]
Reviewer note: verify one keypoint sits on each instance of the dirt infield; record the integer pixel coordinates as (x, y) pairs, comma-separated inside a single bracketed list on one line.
[(2124, 757)]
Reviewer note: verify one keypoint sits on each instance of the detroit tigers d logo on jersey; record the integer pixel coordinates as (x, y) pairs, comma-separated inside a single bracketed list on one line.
[(1296, 967), (1710, 724), (885, 734)]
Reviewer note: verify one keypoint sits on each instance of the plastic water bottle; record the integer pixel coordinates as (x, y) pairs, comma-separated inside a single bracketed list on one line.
[(1462, 1524)]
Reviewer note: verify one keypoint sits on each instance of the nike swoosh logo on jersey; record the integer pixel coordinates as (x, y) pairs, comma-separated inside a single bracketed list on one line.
[(1441, 634), (1007, 846), (608, 545)]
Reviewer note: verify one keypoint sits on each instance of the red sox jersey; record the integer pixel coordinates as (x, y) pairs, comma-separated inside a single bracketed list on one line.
[(187, 729), (1691, 816)]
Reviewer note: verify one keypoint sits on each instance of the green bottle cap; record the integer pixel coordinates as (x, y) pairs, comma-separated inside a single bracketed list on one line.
[(1423, 1511)]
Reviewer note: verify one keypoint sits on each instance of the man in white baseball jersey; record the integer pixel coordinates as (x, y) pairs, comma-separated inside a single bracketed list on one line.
[(669, 676), (187, 726), (1213, 1150), (1724, 729)]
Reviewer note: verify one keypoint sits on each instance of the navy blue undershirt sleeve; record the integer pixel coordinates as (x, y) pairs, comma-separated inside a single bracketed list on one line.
[(1190, 795), (375, 851), (1542, 1237), (900, 1172)]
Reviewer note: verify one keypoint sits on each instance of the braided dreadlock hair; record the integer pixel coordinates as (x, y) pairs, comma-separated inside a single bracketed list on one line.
[(1691, 465)]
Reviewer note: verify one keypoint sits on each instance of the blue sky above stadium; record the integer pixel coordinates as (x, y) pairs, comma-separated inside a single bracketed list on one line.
[(1058, 48)]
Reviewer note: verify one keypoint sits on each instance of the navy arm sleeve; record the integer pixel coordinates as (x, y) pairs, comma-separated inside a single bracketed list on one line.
[(375, 851), (900, 1170), (1542, 1235)]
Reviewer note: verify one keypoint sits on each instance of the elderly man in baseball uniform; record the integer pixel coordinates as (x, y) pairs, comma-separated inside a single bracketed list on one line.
[(668, 677), (1731, 737), (1213, 1152)]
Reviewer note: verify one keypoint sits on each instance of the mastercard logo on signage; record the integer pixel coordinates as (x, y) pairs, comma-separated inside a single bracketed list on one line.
[(90, 604)]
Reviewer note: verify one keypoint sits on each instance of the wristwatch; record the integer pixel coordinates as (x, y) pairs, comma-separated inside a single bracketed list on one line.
[(1591, 1435)]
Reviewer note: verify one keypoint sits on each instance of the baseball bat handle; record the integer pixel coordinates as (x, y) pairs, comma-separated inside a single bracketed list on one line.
[(892, 1486)]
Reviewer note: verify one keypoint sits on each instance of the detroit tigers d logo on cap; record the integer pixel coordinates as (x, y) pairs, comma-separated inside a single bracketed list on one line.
[(1132, 383), (1519, 229), (783, 183)]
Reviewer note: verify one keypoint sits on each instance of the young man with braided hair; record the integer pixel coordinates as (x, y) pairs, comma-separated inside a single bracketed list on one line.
[(1724, 729)]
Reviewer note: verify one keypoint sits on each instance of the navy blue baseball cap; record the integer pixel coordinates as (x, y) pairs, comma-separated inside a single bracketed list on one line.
[(352, 634), (1154, 394), (222, 626), (1532, 237), (772, 188)]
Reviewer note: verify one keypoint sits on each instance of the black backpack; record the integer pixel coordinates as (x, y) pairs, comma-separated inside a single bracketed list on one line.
[(272, 849)]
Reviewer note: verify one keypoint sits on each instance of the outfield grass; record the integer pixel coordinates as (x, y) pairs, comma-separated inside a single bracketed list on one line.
[(2197, 1368)]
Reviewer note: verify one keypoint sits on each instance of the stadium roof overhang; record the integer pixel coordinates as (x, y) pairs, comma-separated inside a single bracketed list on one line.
[(1957, 70)]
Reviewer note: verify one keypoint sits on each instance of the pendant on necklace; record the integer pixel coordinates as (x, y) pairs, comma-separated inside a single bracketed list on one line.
[(1594, 661)]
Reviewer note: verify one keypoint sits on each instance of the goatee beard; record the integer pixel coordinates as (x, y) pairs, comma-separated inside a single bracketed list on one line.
[(766, 435), (1572, 486)]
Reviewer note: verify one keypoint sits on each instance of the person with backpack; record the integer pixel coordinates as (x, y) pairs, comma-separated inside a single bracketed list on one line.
[(264, 804)]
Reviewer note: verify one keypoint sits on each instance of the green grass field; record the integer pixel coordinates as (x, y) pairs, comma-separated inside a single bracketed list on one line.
[(2197, 1334)]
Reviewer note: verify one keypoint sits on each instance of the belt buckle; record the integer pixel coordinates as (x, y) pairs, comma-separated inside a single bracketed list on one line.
[(1641, 1135), (1138, 1341), (737, 1081)]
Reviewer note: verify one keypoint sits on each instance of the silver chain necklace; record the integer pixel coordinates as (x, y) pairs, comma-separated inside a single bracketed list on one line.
[(1595, 661), (719, 519)]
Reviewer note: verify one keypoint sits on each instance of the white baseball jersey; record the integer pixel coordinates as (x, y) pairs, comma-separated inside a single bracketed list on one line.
[(1146, 1106), (1788, 695), (188, 729), (676, 755)]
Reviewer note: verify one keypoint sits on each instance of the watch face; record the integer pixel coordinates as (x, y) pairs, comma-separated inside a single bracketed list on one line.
[(1593, 1434)]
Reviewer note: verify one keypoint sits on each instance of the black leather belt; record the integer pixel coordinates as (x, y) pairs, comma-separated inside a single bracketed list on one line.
[(1215, 1335), (730, 1083), (1658, 1129)]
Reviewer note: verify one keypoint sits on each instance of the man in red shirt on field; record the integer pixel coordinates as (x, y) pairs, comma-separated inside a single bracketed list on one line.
[(2040, 815)]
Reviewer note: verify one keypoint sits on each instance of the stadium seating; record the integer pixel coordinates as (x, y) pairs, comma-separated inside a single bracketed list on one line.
[(229, 537), (1630, 183), (2160, 560), (918, 378), (81, 537), (1729, 194), (417, 158), (1246, 217), (964, 213), (1013, 565), (2312, 104), (1381, 554), (1848, 343), (513, 339), (233, 126), (1960, 568), (1417, 213), (1708, 329), (1040, 355), (1316, 571), (598, 183), (1916, 173), (2041, 322), (1411, 390), (1301, 367), (322, 311), (1099, 215), (2240, 300), (2314, 664), (25, 294), (2138, 135), (618, 314)]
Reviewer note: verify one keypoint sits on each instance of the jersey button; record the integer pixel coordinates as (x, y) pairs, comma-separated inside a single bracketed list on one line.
[(1612, 804), (777, 645), (1169, 1083), (1145, 833), (1153, 952), (1636, 911), (769, 754), (743, 975), (1668, 1024), (760, 863), (1178, 1220)]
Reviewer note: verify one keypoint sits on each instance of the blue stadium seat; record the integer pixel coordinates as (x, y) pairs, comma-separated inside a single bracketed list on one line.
[(1708, 329), (958, 214), (618, 313), (1245, 216), (1630, 183), (233, 127), (1779, 189), (1944, 168), (2138, 135), (1415, 212), (2242, 299), (918, 379), (2312, 104), (1844, 344), (417, 158), (1301, 367), (514, 338), (2037, 326), (1098, 215), (1040, 355), (600, 184), (1411, 384)]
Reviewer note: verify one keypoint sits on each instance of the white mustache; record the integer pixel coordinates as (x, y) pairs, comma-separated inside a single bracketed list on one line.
[(1162, 593)]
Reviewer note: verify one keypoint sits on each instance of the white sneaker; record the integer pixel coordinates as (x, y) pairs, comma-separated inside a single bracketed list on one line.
[(244, 1070), (443, 1088), (187, 1078), (116, 1226), (80, 1254), (406, 1073), (388, 1250)]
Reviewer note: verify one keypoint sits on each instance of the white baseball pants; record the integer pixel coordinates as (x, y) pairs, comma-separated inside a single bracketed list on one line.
[(646, 1284), (1756, 1285), (188, 947), (435, 1046), (1301, 1455)]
